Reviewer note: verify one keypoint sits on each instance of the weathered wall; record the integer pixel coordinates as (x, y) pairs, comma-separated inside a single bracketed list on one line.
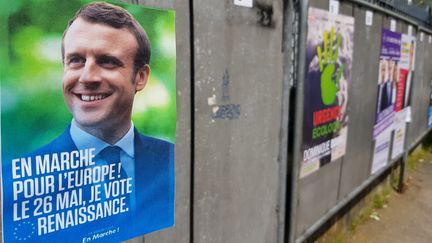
[(238, 69), (236, 84)]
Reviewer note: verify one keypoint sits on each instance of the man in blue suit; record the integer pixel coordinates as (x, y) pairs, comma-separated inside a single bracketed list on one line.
[(384, 87), (106, 56)]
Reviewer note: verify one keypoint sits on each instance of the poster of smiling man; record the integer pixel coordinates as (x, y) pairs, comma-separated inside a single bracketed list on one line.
[(328, 71), (88, 116)]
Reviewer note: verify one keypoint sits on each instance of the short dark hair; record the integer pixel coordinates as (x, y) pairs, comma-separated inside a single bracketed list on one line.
[(116, 17)]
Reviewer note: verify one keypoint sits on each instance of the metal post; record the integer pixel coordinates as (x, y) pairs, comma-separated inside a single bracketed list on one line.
[(298, 116), (284, 133)]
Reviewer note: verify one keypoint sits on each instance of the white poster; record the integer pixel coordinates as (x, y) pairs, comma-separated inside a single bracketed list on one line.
[(381, 151)]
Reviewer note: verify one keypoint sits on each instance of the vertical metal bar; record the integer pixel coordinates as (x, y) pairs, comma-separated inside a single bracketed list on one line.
[(298, 116), (192, 119), (288, 15), (403, 165)]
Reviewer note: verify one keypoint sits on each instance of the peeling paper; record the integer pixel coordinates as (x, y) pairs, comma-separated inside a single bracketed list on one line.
[(211, 100), (215, 109)]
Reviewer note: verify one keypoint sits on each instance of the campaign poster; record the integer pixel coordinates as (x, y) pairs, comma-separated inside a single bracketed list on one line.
[(406, 71), (387, 80), (399, 133), (404, 78), (430, 116), (88, 120), (430, 109), (390, 54), (381, 151), (329, 51)]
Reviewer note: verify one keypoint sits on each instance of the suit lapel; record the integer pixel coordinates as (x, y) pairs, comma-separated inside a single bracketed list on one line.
[(141, 153), (64, 142)]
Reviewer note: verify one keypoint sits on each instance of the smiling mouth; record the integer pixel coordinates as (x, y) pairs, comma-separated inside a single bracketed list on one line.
[(92, 97)]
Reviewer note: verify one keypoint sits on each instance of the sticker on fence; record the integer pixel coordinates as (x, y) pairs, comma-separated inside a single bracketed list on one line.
[(244, 3), (369, 18)]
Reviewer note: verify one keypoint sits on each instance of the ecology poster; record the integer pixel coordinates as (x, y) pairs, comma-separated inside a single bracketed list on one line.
[(88, 120), (329, 51)]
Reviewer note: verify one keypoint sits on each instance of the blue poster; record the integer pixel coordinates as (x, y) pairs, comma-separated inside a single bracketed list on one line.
[(88, 116), (430, 110), (430, 117)]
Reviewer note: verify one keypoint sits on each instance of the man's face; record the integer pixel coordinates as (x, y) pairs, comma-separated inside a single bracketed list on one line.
[(383, 71), (99, 83), (391, 70)]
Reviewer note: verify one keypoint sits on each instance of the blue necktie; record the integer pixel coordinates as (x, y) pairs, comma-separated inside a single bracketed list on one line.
[(111, 155)]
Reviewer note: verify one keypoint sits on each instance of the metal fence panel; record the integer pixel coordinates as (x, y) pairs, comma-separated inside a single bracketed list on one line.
[(181, 231), (320, 194), (238, 87), (420, 93), (362, 97), (317, 194), (424, 92)]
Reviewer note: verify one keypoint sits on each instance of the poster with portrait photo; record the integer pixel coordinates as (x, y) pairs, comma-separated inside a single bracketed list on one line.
[(390, 55), (430, 111), (406, 71), (88, 121), (329, 51), (404, 79)]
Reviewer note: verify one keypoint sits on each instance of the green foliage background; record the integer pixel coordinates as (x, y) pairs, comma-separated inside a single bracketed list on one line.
[(32, 107)]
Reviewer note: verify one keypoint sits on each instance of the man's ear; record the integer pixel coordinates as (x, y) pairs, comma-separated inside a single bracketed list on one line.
[(141, 77)]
